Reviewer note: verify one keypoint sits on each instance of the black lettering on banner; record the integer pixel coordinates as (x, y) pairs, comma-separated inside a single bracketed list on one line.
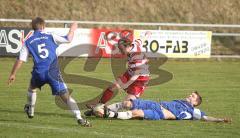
[(176, 48), (180, 47), (145, 44), (111, 36), (168, 45), (152, 46), (185, 46), (11, 40)]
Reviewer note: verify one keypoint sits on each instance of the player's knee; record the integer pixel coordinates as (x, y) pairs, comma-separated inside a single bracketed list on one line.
[(112, 87), (127, 104), (137, 113), (32, 90), (64, 97), (130, 97)]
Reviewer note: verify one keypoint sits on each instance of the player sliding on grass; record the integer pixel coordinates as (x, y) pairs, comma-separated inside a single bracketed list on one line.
[(150, 110), (42, 46), (135, 79)]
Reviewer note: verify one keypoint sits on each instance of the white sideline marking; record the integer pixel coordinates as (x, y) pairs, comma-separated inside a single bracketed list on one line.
[(63, 130)]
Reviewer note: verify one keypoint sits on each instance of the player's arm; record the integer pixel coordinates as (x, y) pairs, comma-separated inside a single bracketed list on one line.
[(72, 29), (68, 38), (15, 68), (213, 119), (22, 58)]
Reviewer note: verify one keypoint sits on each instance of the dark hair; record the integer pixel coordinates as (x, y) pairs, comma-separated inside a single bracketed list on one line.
[(199, 99), (124, 42), (38, 23)]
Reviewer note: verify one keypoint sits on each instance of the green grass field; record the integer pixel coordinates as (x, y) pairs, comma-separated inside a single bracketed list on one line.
[(217, 81)]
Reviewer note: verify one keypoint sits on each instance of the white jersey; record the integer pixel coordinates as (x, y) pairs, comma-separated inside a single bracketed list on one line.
[(137, 60)]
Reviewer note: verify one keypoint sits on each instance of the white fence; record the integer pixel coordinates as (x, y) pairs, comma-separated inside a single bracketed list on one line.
[(138, 24)]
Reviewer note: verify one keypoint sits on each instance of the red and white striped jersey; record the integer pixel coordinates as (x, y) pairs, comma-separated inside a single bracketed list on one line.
[(137, 60)]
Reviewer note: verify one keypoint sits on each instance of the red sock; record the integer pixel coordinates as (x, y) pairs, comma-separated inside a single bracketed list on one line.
[(107, 95)]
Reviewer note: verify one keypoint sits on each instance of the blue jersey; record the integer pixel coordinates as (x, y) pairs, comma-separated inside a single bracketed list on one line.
[(179, 108), (42, 46), (182, 109)]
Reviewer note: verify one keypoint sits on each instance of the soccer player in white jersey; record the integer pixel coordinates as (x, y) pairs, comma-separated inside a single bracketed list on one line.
[(42, 46), (135, 79), (164, 110)]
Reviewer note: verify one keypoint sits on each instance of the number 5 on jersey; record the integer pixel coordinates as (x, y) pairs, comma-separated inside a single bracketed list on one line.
[(43, 52)]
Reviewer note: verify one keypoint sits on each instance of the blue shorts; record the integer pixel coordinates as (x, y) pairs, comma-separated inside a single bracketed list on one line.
[(152, 110), (54, 79)]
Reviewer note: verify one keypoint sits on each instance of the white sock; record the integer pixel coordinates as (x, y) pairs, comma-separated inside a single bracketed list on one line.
[(31, 100), (116, 106), (125, 115), (74, 107)]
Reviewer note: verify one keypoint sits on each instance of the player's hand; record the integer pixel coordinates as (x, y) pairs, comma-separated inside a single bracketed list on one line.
[(11, 79), (74, 26)]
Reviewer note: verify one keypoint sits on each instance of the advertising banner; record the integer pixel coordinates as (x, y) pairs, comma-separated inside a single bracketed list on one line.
[(104, 42)]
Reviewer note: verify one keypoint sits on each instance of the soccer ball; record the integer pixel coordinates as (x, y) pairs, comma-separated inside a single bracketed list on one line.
[(98, 110)]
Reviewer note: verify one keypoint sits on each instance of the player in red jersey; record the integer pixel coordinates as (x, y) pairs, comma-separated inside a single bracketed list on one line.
[(134, 80)]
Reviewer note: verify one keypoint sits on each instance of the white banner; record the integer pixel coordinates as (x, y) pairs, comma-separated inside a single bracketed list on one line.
[(177, 44), (172, 44)]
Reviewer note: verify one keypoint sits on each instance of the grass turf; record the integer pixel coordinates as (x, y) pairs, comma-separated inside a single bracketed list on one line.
[(217, 82)]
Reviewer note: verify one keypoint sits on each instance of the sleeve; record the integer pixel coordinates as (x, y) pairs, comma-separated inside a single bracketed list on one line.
[(197, 114), (184, 116), (60, 39), (23, 56)]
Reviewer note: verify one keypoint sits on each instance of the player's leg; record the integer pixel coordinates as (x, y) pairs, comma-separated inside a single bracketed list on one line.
[(115, 106), (151, 110), (108, 93), (67, 99), (127, 114), (118, 106), (59, 88), (144, 104), (137, 113), (37, 81), (127, 104), (131, 104), (74, 108), (133, 92), (31, 101), (136, 89)]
